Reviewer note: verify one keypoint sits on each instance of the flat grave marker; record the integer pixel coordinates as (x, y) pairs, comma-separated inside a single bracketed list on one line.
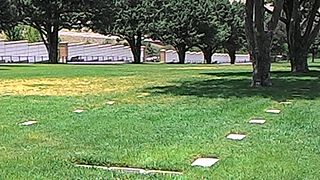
[(164, 172), (286, 103), (28, 123), (142, 95), (236, 137), (79, 111), (205, 162), (257, 121), (111, 103), (273, 111), (130, 170)]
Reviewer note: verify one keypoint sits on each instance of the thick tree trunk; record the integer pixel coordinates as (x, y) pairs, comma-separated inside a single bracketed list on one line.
[(207, 54), (260, 38), (301, 32), (232, 55), (181, 50), (299, 61), (298, 52), (52, 45), (135, 46), (137, 51), (261, 69)]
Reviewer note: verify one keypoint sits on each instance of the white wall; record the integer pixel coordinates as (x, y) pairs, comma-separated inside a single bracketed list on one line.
[(15, 51), (91, 52), (197, 58)]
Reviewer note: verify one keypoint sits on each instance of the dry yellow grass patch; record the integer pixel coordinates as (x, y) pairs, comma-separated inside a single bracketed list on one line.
[(68, 86)]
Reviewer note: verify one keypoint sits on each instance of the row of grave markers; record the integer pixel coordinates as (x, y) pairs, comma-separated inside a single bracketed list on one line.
[(209, 162), (201, 162)]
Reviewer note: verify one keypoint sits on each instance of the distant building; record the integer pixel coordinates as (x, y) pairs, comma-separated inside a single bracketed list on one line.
[(238, 1)]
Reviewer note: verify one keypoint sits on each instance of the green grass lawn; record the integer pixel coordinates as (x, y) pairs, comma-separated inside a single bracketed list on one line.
[(188, 114)]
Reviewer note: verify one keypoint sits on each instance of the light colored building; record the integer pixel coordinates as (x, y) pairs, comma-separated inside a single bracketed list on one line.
[(238, 1)]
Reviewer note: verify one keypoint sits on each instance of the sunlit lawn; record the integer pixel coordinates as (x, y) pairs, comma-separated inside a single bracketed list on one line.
[(164, 117)]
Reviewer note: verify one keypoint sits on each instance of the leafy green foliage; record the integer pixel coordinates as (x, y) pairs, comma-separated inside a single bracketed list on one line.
[(50, 16), (280, 42), (127, 19), (32, 34), (236, 40), (206, 24), (14, 33), (213, 26), (152, 50), (8, 16), (175, 23)]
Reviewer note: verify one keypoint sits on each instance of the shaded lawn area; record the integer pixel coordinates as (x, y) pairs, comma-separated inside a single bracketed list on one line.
[(188, 114), (286, 86)]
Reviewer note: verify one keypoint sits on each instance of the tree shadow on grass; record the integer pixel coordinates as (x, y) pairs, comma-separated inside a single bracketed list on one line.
[(286, 86), (314, 66)]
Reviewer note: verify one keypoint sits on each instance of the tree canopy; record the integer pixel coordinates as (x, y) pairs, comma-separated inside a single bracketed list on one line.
[(50, 16), (126, 19), (212, 26), (175, 23), (8, 16), (237, 36)]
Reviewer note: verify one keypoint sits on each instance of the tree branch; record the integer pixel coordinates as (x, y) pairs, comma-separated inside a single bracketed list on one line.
[(272, 25), (249, 23), (311, 19), (282, 19)]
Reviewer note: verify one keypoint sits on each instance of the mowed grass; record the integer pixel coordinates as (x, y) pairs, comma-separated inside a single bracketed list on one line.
[(164, 117)]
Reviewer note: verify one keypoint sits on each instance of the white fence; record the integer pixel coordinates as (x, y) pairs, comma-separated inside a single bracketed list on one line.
[(22, 51), (198, 58), (96, 52)]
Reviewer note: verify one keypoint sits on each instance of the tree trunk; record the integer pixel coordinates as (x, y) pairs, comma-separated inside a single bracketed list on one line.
[(207, 54), (135, 46), (261, 69), (260, 38), (301, 31), (52, 45), (299, 61), (137, 54), (298, 50), (181, 50), (232, 55)]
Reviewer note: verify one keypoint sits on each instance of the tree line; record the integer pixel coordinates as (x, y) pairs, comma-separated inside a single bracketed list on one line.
[(206, 24)]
